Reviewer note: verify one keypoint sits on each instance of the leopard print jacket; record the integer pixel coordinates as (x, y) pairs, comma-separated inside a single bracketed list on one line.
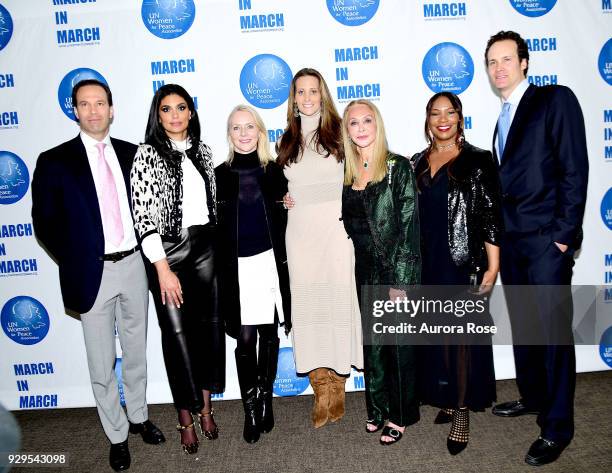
[(157, 191)]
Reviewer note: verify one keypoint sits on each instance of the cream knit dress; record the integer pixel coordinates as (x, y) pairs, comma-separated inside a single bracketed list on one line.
[(324, 307)]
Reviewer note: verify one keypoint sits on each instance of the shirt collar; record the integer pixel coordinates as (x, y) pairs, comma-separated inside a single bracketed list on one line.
[(517, 94), (90, 142)]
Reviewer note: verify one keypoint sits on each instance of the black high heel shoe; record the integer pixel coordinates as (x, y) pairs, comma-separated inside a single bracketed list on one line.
[(209, 434), (445, 416), (188, 448), (460, 431)]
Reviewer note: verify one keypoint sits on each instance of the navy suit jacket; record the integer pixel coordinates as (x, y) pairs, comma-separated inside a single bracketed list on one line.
[(67, 220), (544, 168)]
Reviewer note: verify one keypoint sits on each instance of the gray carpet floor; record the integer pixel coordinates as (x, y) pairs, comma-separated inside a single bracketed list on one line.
[(497, 445)]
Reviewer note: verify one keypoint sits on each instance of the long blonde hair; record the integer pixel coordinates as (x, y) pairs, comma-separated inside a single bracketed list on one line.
[(351, 151), (263, 144)]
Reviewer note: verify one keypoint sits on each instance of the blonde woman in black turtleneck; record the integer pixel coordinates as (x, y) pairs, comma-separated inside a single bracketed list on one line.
[(252, 262)]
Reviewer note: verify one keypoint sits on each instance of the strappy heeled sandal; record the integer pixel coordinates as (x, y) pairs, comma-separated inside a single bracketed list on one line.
[(209, 434), (188, 448)]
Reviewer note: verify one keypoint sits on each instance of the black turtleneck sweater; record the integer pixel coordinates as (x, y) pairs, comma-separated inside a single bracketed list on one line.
[(253, 234)]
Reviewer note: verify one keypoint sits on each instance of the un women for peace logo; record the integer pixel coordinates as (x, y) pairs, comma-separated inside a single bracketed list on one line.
[(352, 12), (287, 382), (64, 92), (168, 19), (448, 67), (533, 8), (24, 320), (265, 81), (14, 178), (6, 27)]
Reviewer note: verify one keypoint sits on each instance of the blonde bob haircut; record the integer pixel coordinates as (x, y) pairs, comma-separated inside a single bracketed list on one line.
[(263, 144), (352, 151)]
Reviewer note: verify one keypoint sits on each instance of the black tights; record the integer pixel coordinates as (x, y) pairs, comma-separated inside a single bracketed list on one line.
[(247, 340)]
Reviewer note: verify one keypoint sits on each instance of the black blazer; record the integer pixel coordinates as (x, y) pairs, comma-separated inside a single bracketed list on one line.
[(544, 169), (67, 220), (273, 187)]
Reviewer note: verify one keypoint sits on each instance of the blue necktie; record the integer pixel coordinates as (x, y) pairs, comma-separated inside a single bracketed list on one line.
[(503, 127)]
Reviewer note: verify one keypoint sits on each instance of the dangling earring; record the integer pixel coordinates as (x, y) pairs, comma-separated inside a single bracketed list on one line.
[(296, 110)]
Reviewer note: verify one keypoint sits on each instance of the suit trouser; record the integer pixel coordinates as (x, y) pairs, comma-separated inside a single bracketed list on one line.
[(193, 337), (541, 317), (123, 299)]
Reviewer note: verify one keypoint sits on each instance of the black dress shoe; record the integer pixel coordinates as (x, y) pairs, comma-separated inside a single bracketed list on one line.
[(150, 433), (513, 409), (544, 451), (119, 457)]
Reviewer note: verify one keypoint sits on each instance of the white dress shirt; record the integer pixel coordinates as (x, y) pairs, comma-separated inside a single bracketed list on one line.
[(129, 237)]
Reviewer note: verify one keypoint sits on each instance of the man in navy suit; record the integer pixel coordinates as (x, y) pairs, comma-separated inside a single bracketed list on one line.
[(81, 213), (541, 148)]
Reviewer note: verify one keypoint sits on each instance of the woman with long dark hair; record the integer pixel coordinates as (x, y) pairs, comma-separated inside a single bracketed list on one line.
[(252, 271), (461, 224), (324, 306), (380, 214), (173, 197)]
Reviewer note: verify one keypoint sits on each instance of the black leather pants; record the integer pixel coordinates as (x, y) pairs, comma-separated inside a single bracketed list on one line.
[(193, 338)]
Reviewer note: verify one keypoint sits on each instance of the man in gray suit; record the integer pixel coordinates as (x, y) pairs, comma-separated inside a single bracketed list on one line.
[(81, 212)]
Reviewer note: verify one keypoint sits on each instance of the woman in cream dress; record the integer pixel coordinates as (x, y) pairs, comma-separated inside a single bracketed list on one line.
[(325, 310)]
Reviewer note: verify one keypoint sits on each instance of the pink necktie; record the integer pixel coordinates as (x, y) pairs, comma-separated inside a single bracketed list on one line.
[(111, 215)]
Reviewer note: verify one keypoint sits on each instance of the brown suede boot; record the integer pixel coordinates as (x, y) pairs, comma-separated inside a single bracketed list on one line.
[(320, 382), (336, 400)]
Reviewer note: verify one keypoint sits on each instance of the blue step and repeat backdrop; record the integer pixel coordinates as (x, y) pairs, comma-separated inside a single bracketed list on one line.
[(226, 52)]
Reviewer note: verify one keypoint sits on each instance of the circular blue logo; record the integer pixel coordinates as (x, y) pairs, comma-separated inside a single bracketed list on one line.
[(14, 178), (605, 347), (606, 209), (64, 92), (448, 67), (24, 320), (533, 8), (265, 80), (287, 382), (6, 27), (352, 12), (168, 19), (605, 62)]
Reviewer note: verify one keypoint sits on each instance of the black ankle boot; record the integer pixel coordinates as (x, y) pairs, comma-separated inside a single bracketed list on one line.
[(266, 368), (246, 366), (459, 435)]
